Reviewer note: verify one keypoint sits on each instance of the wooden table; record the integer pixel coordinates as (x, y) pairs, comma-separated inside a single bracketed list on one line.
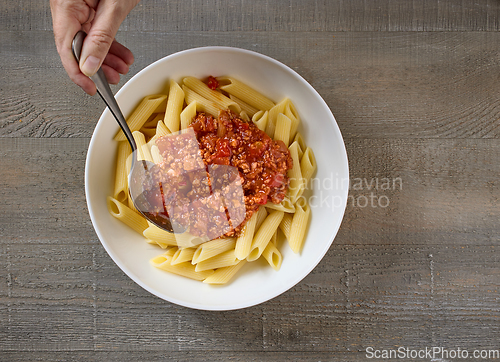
[(415, 88)]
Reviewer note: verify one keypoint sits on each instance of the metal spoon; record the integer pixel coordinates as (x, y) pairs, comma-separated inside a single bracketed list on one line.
[(140, 170)]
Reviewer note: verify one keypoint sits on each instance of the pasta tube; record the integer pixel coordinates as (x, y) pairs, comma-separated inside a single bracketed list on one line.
[(273, 256), (286, 225), (299, 226), (188, 114), (126, 215), (282, 131), (244, 241), (296, 185), (273, 116), (212, 248), (182, 255), (121, 178), (222, 260), (264, 234), (307, 165), (142, 112), (244, 106), (260, 119), (245, 93), (291, 112), (174, 107), (202, 104), (143, 152), (185, 269), (212, 95), (160, 236), (224, 275), (285, 206)]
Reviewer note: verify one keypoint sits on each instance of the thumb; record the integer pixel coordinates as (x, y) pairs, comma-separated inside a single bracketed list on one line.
[(99, 39)]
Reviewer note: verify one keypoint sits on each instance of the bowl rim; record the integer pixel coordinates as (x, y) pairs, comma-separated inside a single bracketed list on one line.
[(285, 286)]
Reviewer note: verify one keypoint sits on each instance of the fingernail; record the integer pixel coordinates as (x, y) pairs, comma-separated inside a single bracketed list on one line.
[(91, 66)]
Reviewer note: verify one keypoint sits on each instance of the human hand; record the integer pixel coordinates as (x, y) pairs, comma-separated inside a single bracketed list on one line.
[(100, 19)]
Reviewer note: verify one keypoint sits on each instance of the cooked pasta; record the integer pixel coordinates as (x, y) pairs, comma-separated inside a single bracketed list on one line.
[(174, 107), (121, 178), (141, 114), (217, 261)]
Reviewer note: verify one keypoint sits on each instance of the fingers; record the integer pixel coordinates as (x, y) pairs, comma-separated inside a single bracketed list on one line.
[(101, 20), (108, 17)]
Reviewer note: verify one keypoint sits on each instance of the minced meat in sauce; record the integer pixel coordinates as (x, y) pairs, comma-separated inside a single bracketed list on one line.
[(261, 162), (239, 164)]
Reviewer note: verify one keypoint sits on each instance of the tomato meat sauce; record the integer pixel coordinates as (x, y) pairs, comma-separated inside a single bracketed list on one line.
[(262, 162), (214, 177)]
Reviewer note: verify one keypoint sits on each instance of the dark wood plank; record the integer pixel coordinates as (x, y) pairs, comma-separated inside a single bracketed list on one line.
[(42, 193), (421, 192), (378, 85), (414, 87), (359, 296), (281, 15), (182, 356), (401, 192)]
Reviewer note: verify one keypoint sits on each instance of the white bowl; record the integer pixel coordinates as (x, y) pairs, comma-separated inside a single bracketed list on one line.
[(255, 282)]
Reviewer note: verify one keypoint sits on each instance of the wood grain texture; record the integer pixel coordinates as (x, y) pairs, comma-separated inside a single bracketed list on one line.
[(408, 85), (390, 279), (414, 87), (281, 15), (42, 193)]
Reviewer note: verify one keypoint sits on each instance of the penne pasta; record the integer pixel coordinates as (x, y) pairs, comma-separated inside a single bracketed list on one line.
[(260, 119), (285, 206), (126, 215), (282, 131), (182, 255), (174, 107), (244, 241), (244, 106), (212, 95), (160, 244), (185, 269), (245, 93), (299, 225), (224, 275), (160, 236), (296, 185), (244, 116), (307, 165), (273, 116), (292, 113), (300, 141), (188, 114), (121, 177), (222, 260), (273, 256), (286, 225), (212, 248), (143, 152), (264, 234), (261, 216), (155, 154), (202, 104), (142, 112), (161, 129)]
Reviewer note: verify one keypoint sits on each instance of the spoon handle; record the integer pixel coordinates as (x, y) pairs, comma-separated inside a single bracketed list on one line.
[(107, 96), (104, 91)]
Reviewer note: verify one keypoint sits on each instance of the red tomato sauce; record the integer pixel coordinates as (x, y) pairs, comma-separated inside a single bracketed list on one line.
[(262, 162), (238, 161)]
